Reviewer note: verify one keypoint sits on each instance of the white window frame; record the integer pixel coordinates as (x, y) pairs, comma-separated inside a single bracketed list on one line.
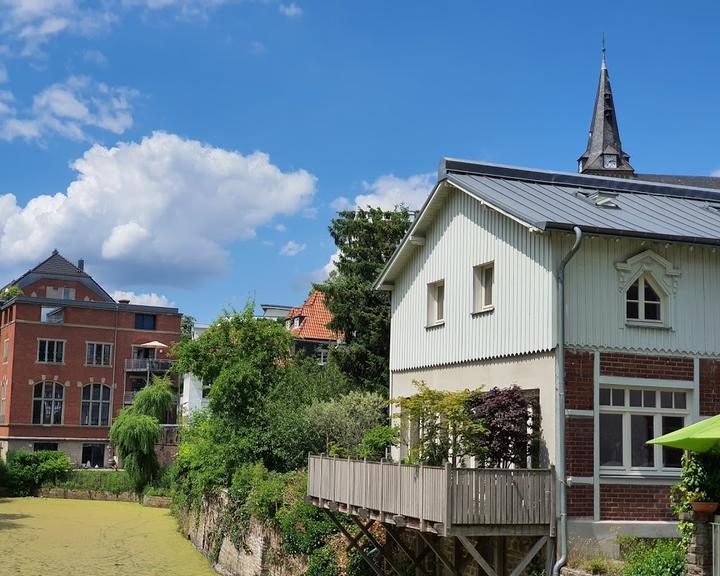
[(436, 303), (6, 351), (103, 344), (3, 399), (657, 412), (52, 399), (99, 402), (481, 302), (55, 343), (640, 320)]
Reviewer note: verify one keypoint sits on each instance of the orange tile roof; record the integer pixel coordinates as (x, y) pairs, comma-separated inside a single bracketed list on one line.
[(314, 319)]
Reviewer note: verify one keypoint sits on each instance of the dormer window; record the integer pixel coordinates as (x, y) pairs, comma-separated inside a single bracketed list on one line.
[(296, 322), (643, 302)]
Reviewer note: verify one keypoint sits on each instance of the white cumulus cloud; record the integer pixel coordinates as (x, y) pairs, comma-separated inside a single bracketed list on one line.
[(143, 299), (389, 191), (162, 210), (70, 108), (292, 248)]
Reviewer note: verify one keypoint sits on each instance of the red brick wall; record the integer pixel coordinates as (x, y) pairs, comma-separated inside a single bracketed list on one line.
[(627, 502), (579, 374), (81, 291), (579, 446), (81, 325), (637, 366), (580, 500), (709, 387)]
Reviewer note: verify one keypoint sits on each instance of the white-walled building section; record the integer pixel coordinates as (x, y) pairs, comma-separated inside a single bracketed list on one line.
[(464, 235), (686, 277), (192, 397), (532, 372)]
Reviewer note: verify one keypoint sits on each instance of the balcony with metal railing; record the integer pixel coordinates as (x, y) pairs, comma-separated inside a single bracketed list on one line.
[(151, 365)]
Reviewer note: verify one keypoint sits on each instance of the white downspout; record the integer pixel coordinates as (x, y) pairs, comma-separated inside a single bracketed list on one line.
[(560, 406)]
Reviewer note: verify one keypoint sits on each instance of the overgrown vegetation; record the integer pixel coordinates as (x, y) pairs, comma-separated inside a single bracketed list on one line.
[(136, 430), (661, 557), (24, 472), (111, 481), (10, 292), (699, 475)]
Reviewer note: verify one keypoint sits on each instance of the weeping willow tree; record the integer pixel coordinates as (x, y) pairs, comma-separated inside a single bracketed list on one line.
[(136, 430)]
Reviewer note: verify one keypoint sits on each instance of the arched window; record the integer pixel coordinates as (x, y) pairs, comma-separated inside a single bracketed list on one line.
[(643, 301), (3, 398), (95, 409), (48, 402)]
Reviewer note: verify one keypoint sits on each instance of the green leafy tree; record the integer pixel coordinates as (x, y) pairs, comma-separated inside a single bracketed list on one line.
[(437, 426), (366, 238), (241, 358), (186, 326), (156, 400), (136, 430), (343, 421), (10, 292)]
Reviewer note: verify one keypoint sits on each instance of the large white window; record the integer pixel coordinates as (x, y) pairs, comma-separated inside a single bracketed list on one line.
[(48, 403), (436, 303), (643, 302), (483, 284), (51, 351), (629, 417), (95, 408)]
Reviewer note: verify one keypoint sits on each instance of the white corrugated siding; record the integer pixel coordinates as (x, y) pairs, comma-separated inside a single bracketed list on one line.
[(595, 305), (462, 235)]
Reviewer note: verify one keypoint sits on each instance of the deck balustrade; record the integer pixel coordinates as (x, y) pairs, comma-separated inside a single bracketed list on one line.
[(445, 500)]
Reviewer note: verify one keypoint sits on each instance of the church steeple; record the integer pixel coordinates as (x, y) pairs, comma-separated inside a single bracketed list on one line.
[(604, 154)]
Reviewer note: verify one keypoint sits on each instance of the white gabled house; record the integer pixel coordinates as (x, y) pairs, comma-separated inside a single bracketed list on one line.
[(475, 304)]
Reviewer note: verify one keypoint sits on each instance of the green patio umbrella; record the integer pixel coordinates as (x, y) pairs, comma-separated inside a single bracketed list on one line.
[(703, 436)]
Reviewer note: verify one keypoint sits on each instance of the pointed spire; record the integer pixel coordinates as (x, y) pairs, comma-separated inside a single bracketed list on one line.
[(604, 154)]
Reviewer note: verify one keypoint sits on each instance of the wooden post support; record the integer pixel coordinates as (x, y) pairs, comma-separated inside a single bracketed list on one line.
[(439, 554), (448, 499), (376, 544), (470, 547), (374, 567), (529, 556), (382, 487)]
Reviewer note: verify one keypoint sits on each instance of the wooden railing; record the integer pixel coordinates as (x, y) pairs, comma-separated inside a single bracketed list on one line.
[(437, 495)]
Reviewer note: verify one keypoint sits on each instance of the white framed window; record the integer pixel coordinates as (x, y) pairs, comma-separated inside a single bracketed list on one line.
[(98, 354), (6, 350), (51, 351), (483, 287), (436, 303), (48, 399), (323, 356), (629, 417), (52, 315), (95, 407), (3, 400), (644, 302)]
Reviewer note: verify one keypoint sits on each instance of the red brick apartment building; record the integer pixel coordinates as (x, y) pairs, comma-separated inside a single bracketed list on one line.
[(71, 358)]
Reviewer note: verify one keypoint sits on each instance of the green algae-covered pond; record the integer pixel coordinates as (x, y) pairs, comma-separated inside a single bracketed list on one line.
[(46, 537)]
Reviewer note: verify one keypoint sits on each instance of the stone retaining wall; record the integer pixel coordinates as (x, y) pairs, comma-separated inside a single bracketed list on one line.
[(70, 494), (261, 552)]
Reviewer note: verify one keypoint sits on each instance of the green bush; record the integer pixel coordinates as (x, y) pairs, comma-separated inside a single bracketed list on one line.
[(113, 481), (375, 443), (27, 471), (323, 562), (654, 558), (304, 527)]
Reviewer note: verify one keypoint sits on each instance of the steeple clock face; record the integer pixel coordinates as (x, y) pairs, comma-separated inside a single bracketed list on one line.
[(609, 161)]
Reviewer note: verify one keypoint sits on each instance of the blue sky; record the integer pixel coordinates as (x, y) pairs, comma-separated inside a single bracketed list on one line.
[(197, 149)]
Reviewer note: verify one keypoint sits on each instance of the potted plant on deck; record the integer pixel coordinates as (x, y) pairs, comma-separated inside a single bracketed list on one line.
[(699, 502)]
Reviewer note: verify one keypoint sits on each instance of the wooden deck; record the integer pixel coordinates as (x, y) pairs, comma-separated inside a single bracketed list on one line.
[(445, 501)]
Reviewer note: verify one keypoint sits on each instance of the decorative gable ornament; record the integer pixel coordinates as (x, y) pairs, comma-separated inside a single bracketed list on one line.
[(648, 262)]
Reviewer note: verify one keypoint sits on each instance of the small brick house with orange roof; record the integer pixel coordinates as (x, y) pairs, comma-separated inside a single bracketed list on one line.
[(308, 324)]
